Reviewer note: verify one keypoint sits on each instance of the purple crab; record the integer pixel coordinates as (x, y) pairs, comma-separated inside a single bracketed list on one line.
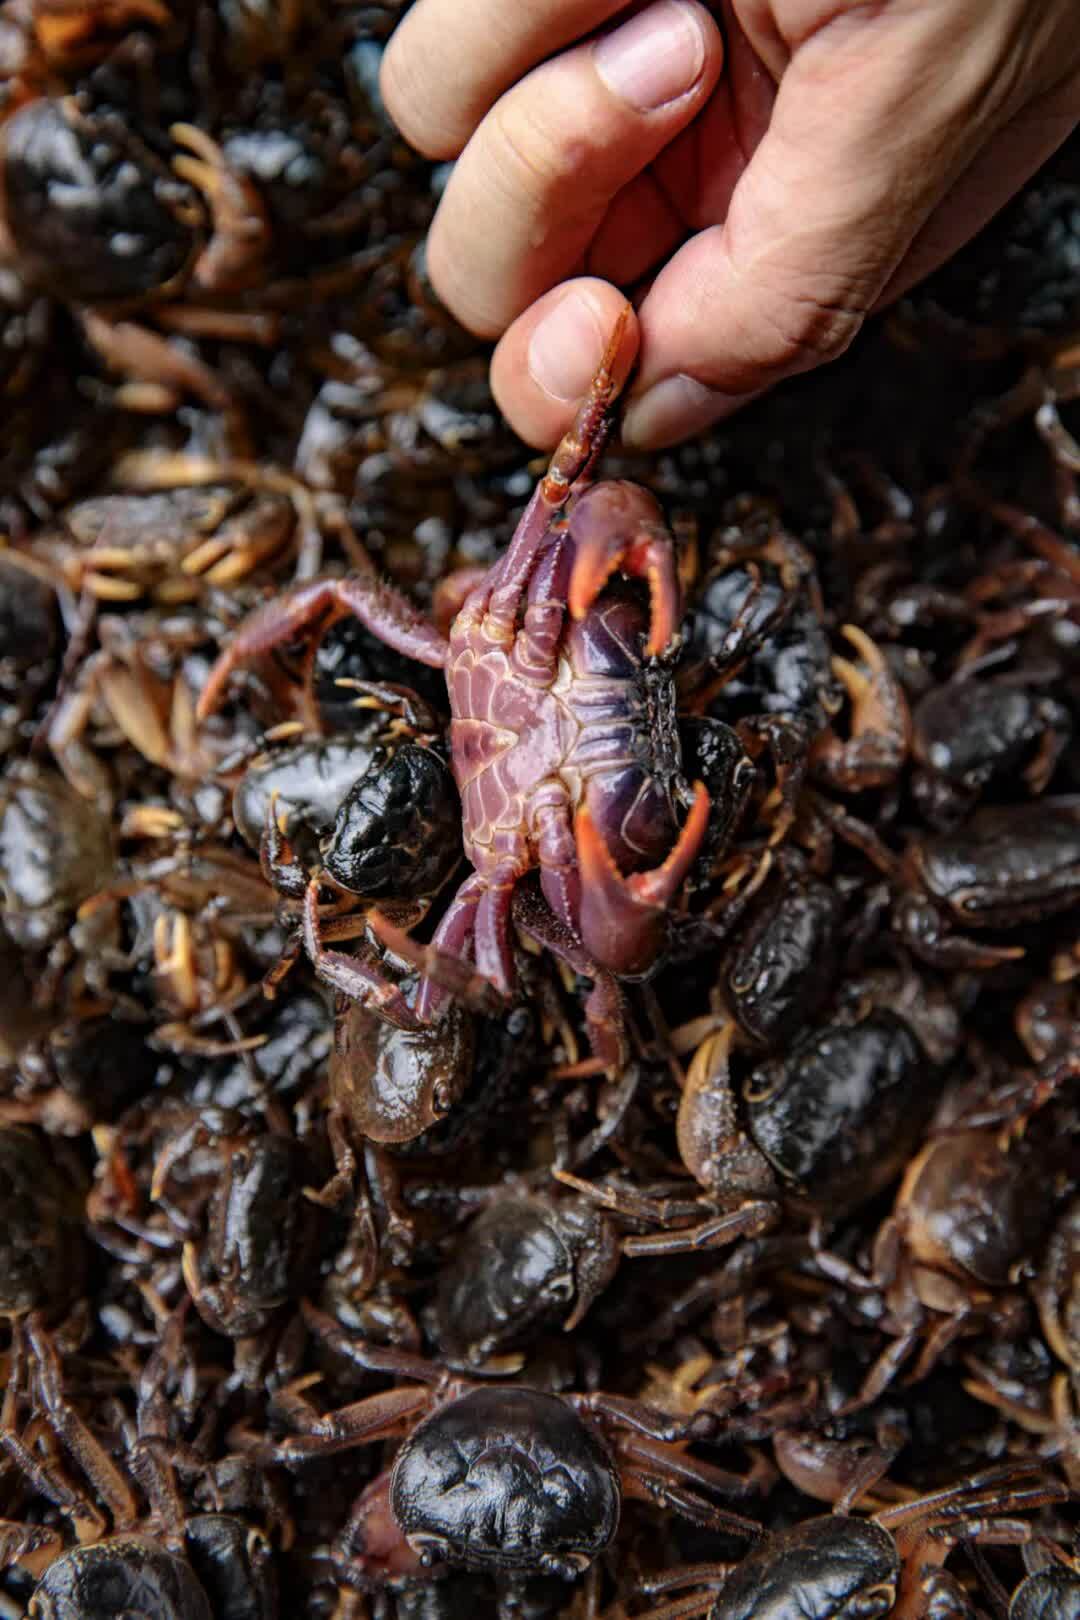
[(563, 732)]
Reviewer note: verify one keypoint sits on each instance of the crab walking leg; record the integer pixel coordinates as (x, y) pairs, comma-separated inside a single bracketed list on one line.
[(493, 953), (351, 974), (666, 1493), (536, 646), (556, 851), (605, 1005), (573, 459), (617, 525), (670, 1460), (453, 938), (374, 1418), (453, 974), (91, 1456), (379, 607)]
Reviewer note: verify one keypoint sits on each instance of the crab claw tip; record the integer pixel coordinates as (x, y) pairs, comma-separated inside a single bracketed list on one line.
[(592, 570), (621, 917), (658, 886), (617, 525), (662, 622)]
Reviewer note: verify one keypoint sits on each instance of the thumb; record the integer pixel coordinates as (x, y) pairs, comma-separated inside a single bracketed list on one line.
[(877, 117)]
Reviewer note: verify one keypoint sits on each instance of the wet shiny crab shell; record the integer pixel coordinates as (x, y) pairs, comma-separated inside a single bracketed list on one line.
[(506, 1478)]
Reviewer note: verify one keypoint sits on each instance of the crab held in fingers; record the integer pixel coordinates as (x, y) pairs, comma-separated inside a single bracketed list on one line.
[(564, 739)]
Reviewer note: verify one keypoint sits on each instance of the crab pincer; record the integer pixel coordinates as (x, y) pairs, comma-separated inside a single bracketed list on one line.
[(622, 919), (616, 526)]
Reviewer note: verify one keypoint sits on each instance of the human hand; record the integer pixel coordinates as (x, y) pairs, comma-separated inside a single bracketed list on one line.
[(766, 196)]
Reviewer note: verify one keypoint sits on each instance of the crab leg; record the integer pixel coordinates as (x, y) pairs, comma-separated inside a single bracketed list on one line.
[(553, 833), (493, 952), (452, 939), (444, 974), (622, 918), (354, 977), (536, 646), (617, 525), (574, 457), (605, 1005), (379, 607)]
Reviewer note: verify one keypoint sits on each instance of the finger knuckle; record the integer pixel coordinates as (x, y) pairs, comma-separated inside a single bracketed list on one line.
[(408, 99), (545, 156), (809, 328)]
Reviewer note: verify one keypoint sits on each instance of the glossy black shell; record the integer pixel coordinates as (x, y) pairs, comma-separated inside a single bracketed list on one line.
[(251, 1269), (970, 731), (822, 1569), (398, 830), (100, 1061), (129, 1576), (980, 1209), (713, 754), (235, 1564), (92, 214), (506, 1479), (310, 779), (1052, 1594), (788, 674), (394, 1084), (1006, 864), (504, 1052), (781, 968), (55, 851), (516, 1272), (839, 1111)]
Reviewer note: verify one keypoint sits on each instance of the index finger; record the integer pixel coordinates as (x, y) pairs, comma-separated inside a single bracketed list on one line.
[(447, 64)]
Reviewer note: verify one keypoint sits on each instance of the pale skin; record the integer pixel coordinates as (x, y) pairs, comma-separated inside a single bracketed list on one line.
[(759, 174)]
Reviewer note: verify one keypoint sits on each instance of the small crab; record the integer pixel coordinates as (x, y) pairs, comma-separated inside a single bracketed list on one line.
[(564, 741), (970, 1214), (170, 1562), (169, 543), (500, 1477), (1005, 866)]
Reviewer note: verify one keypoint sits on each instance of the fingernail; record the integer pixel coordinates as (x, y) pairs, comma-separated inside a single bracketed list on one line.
[(674, 409), (565, 349), (654, 58)]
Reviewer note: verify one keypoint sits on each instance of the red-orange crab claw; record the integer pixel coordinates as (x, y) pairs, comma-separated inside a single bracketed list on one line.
[(617, 525), (622, 919)]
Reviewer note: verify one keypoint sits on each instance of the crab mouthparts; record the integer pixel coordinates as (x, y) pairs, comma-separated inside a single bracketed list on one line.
[(621, 918)]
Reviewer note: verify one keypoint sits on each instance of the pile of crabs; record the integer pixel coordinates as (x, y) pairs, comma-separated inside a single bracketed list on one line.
[(540, 1014)]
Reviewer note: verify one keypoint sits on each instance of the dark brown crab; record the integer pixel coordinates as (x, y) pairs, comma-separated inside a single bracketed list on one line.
[(563, 730)]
